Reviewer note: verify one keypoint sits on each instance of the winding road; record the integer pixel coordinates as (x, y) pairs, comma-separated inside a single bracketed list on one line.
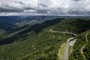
[(70, 42), (81, 50), (65, 32), (66, 53)]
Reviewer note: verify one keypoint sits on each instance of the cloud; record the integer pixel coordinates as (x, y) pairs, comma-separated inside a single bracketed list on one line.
[(44, 7)]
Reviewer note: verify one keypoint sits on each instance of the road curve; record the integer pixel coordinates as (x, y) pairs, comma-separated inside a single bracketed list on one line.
[(71, 39), (81, 50), (66, 53)]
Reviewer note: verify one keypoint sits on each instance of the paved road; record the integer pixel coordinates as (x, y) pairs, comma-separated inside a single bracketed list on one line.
[(66, 32), (71, 40), (66, 53)]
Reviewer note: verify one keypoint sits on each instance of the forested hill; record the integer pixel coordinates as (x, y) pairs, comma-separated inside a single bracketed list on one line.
[(48, 40)]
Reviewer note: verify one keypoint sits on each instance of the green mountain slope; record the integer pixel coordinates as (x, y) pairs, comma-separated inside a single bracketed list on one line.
[(47, 41), (82, 47), (76, 25)]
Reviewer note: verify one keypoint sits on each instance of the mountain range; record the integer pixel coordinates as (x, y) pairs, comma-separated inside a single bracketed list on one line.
[(44, 38)]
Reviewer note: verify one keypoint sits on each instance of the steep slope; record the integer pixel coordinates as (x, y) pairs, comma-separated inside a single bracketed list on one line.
[(44, 41), (82, 47), (38, 44), (76, 25), (11, 24)]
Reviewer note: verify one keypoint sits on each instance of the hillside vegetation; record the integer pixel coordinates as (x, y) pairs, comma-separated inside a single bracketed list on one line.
[(37, 42), (73, 25)]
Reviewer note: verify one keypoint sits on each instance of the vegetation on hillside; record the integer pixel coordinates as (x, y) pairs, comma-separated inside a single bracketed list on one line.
[(37, 42), (75, 25)]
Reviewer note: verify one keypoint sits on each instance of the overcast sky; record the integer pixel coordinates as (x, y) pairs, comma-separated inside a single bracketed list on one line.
[(44, 7)]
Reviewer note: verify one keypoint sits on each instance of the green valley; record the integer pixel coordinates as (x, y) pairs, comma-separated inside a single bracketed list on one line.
[(57, 39)]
